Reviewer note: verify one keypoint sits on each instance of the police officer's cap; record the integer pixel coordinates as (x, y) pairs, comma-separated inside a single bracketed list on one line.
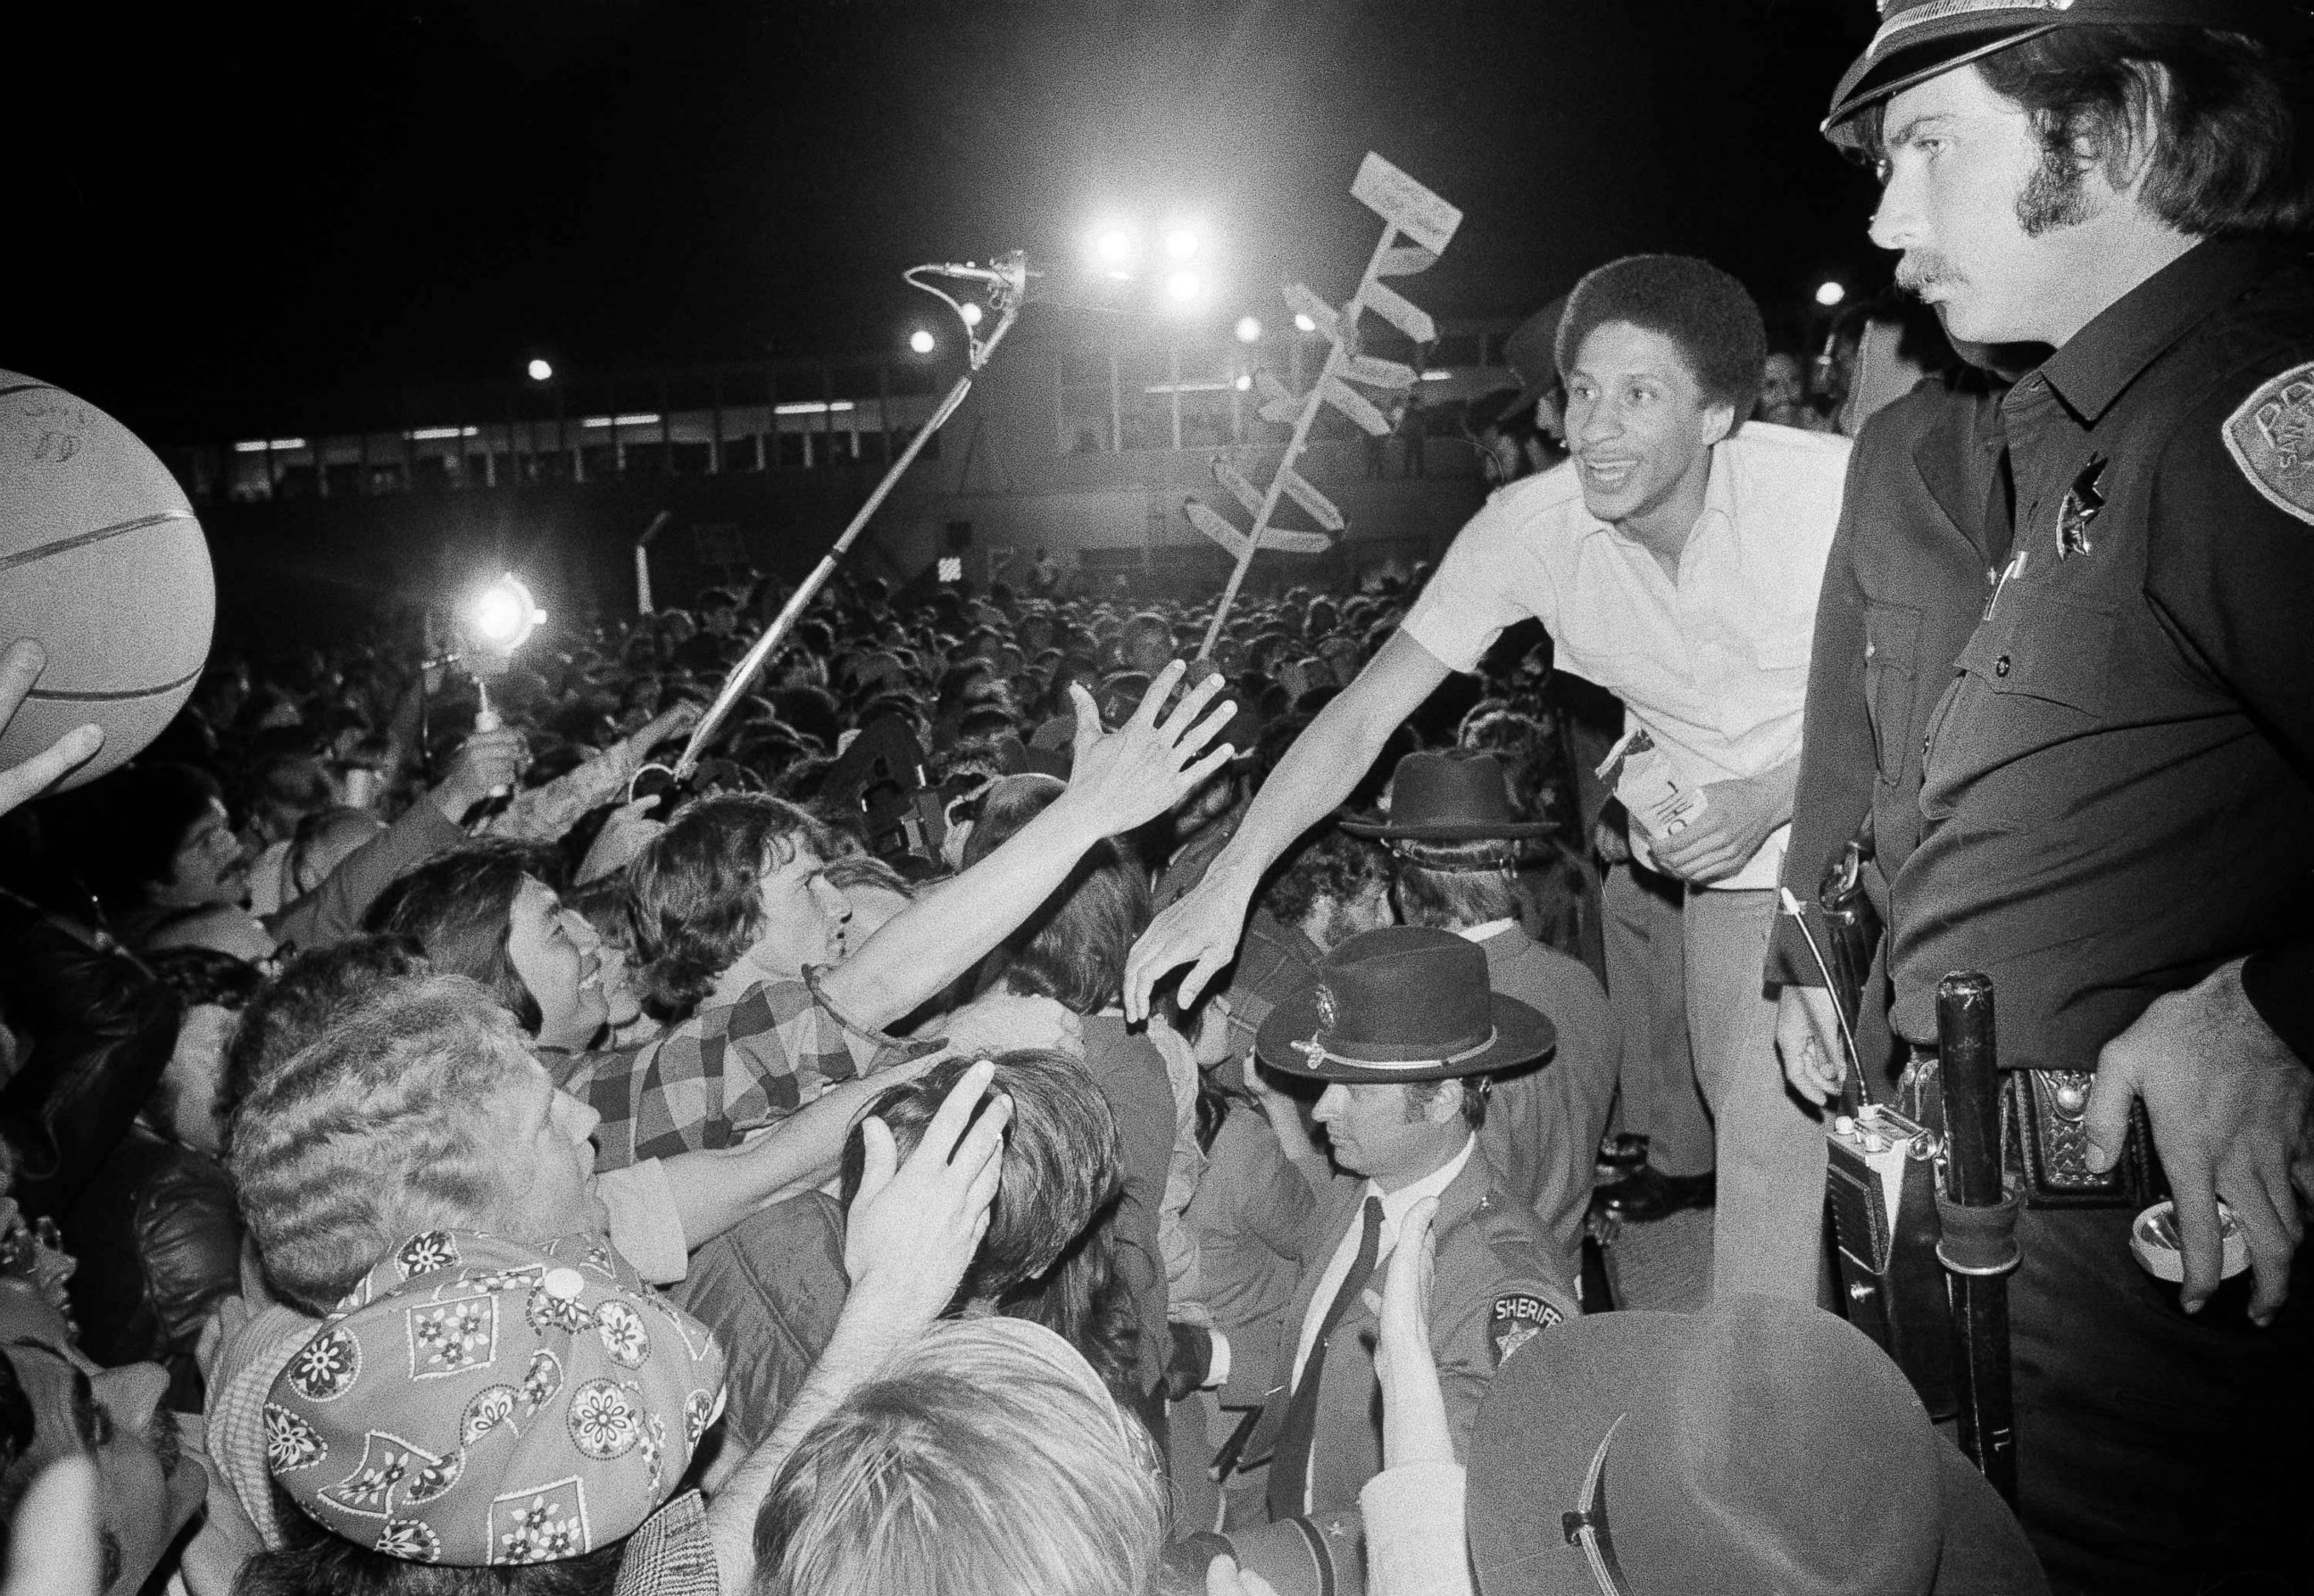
[(1919, 39)]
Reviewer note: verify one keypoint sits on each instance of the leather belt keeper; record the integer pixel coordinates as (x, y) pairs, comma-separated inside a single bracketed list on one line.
[(1980, 1241)]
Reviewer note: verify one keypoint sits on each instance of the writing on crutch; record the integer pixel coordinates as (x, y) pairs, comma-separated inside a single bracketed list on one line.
[(1417, 225)]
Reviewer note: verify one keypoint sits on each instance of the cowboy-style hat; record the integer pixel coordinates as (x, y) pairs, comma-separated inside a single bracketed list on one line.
[(1919, 39), (1528, 352), (1760, 1446), (1454, 795), (1405, 1002)]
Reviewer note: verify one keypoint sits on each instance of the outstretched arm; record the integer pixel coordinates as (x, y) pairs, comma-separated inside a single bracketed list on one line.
[(1119, 781), (1316, 775)]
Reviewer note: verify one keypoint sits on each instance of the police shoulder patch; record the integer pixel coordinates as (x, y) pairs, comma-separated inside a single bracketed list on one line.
[(1519, 1316), (2271, 438)]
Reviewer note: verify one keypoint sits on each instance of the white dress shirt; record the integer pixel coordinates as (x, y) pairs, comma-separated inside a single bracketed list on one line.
[(1394, 1206), (1714, 665)]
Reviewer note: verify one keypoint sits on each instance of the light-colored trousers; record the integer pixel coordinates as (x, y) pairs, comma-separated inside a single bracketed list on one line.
[(1768, 1232)]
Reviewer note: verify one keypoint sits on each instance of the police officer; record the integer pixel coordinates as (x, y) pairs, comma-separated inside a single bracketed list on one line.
[(2113, 809)]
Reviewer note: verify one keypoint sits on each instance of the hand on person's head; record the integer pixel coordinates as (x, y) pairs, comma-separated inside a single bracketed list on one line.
[(1138, 771), (1000, 1021), (914, 1227), (20, 665)]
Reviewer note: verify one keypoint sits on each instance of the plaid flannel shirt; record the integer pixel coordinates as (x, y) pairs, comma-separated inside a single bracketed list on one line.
[(719, 1074)]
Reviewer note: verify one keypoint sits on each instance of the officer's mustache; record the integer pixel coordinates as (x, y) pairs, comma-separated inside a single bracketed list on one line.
[(1922, 269)]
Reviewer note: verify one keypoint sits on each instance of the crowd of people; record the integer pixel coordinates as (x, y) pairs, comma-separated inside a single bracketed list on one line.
[(1030, 1104)]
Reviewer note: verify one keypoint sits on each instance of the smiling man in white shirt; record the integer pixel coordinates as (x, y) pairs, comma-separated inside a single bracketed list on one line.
[(1675, 562)]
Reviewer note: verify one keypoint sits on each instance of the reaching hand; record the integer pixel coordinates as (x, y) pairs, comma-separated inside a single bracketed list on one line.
[(1000, 1021), (1736, 819), (19, 666), (1414, 1412), (1224, 1577), (2232, 1110), (56, 1548), (491, 762), (1807, 1038), (1201, 929), (628, 830), (913, 1229), (1133, 774)]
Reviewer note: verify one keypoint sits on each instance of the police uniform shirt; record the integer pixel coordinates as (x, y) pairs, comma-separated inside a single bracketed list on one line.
[(2115, 795)]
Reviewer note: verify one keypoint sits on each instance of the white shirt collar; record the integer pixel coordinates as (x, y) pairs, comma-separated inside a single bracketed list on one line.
[(1394, 1204), (1482, 933)]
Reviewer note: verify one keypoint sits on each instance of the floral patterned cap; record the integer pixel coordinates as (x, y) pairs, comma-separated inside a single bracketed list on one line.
[(476, 1400)]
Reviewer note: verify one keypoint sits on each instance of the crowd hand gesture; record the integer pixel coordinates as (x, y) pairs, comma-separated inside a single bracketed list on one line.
[(489, 760), (1738, 818), (626, 835), (913, 1229), (19, 666), (1200, 929), (1414, 1412), (1808, 1039), (1128, 777), (2232, 1110)]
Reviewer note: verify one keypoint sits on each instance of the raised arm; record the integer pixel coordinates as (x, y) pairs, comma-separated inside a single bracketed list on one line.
[(1316, 775), (1120, 780)]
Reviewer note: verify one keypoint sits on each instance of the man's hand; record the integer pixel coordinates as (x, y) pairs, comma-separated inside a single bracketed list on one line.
[(2233, 1116), (1738, 818), (1200, 929), (1132, 775), (19, 666), (913, 1229), (489, 760), (624, 835), (1807, 1038), (1224, 1577), (1005, 1022)]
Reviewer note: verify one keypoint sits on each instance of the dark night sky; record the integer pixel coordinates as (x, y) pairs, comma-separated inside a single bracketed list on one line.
[(228, 220)]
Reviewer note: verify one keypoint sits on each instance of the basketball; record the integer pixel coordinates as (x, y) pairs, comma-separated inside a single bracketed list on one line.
[(102, 563)]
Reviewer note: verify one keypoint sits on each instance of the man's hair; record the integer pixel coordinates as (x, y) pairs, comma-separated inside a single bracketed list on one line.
[(698, 903), (204, 976), (865, 869), (1049, 1253), (1456, 884), (459, 907), (1476, 1089), (1336, 866), (1706, 313), (1073, 949), (376, 1132), (311, 1561), (1146, 643), (289, 1013), (978, 1463), (2229, 119)]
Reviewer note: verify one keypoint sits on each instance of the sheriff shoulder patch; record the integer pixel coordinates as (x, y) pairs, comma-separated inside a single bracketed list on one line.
[(1518, 1319), (2271, 439)]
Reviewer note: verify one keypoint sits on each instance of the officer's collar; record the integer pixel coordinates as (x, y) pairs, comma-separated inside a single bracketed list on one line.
[(2127, 336)]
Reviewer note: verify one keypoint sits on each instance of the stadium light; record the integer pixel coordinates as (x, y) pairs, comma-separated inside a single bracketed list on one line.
[(540, 371), (921, 340), (972, 314), (1303, 323), (1830, 293), (1249, 330), (1181, 243), (1114, 247), (1243, 382), (501, 617), (1183, 288)]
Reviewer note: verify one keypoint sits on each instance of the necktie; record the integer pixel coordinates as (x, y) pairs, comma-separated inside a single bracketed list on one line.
[(1289, 1466), (2000, 497)]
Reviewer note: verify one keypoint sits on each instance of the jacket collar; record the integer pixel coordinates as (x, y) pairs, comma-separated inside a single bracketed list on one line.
[(2104, 358)]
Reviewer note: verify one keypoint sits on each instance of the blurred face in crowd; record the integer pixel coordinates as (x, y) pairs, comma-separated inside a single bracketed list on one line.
[(1332, 921), (552, 949), (1780, 388), (805, 917), (614, 974), (1640, 428), (1992, 236), (210, 866), (147, 1490), (196, 1068), (550, 1161), (1382, 1131)]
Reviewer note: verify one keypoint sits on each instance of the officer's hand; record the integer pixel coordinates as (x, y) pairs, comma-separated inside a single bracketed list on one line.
[(19, 666), (2233, 1116), (1738, 817), (1808, 1039)]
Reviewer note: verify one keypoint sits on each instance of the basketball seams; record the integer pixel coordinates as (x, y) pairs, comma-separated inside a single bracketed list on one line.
[(28, 388), (118, 695), (81, 540)]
